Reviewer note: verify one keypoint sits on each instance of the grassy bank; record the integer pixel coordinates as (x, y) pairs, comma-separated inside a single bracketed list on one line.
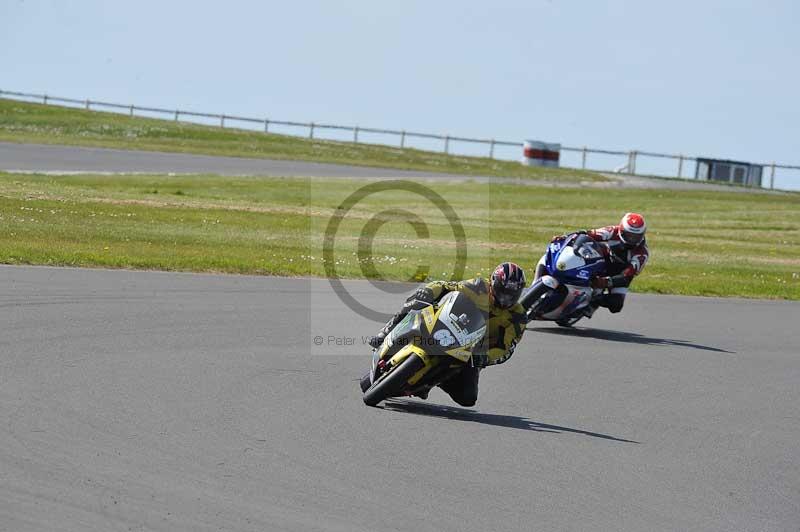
[(703, 243), (36, 123)]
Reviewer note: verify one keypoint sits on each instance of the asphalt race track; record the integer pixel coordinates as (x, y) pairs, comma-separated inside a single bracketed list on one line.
[(54, 158), (160, 401), (71, 159)]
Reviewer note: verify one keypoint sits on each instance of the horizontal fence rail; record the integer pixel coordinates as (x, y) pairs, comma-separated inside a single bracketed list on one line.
[(629, 165)]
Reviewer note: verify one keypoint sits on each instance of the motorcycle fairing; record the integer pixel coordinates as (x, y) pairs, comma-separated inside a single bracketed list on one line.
[(577, 297), (452, 328), (571, 266)]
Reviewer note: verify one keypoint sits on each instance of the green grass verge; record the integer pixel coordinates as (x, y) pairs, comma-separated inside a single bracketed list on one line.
[(703, 243), (37, 123)]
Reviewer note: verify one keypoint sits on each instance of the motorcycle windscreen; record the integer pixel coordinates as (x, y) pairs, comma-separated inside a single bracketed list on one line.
[(589, 252), (460, 325), (577, 267)]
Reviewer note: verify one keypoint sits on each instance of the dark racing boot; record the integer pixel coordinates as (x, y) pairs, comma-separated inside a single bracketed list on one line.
[(378, 339), (423, 296)]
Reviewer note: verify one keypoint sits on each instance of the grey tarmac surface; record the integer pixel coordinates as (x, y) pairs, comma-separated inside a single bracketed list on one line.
[(71, 159), (54, 158), (163, 401)]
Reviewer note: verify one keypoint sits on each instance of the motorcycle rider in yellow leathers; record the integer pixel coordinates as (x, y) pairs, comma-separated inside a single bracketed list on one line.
[(505, 323)]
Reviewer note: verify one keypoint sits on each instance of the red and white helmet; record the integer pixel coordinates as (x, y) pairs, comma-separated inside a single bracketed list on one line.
[(632, 229)]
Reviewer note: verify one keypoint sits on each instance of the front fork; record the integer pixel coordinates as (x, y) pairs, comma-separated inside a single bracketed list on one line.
[(532, 298)]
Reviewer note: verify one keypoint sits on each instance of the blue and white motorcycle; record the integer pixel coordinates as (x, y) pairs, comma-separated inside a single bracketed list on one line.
[(564, 293)]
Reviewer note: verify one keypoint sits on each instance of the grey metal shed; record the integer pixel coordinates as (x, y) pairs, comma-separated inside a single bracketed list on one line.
[(729, 171)]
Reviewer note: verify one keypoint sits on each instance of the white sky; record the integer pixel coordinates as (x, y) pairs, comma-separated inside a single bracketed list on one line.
[(714, 78)]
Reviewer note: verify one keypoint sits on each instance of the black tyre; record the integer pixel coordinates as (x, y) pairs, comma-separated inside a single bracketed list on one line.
[(365, 382), (532, 297), (392, 383)]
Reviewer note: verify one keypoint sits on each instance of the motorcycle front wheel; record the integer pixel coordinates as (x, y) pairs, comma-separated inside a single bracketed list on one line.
[(391, 384)]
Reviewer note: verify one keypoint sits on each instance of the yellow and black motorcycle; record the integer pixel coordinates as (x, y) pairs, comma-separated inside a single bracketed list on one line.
[(431, 344)]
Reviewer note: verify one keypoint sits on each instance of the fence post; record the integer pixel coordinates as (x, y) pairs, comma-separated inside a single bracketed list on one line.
[(355, 134), (680, 166), (176, 114), (491, 149), (131, 109), (583, 158), (311, 130), (266, 125), (772, 176), (222, 121), (632, 162), (447, 143), (403, 139)]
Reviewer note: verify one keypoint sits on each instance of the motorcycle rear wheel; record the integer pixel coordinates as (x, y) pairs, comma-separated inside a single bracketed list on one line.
[(392, 384)]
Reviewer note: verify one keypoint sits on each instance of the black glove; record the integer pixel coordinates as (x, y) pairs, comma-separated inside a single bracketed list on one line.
[(423, 293), (421, 298)]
